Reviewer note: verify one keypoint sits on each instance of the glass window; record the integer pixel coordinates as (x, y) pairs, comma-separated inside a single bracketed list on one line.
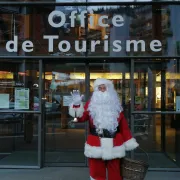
[(33, 33), (19, 139), (135, 33), (115, 31), (157, 85), (19, 85)]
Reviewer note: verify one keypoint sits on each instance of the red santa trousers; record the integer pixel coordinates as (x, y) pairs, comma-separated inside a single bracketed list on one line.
[(97, 168)]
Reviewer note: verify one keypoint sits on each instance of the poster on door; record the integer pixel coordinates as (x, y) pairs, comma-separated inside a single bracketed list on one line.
[(67, 100), (21, 98), (4, 101), (137, 100), (177, 103)]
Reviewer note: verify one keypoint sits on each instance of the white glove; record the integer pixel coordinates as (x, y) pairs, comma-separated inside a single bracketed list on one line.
[(76, 97)]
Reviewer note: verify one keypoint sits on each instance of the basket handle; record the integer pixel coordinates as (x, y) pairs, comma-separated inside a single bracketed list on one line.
[(145, 153)]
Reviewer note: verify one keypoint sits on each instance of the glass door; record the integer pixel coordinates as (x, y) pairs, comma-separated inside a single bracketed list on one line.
[(156, 125), (64, 144), (19, 119)]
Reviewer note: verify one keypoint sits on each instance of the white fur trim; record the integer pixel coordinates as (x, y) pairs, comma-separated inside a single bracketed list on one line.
[(106, 145), (91, 178), (79, 111), (131, 144), (106, 151), (100, 81)]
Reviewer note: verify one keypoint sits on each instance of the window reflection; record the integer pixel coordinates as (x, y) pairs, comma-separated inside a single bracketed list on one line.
[(156, 88), (142, 24), (19, 85)]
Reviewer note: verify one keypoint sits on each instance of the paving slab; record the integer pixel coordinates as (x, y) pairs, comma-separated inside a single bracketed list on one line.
[(68, 173)]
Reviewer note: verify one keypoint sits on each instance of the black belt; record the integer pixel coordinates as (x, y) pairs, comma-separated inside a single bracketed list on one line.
[(105, 133)]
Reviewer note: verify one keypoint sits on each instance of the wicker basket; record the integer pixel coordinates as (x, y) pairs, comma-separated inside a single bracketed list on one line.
[(133, 169)]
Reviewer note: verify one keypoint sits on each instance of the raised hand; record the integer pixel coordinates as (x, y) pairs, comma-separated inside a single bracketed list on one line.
[(76, 97)]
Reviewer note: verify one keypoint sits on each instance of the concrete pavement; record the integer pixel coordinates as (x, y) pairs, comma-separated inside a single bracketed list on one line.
[(68, 173)]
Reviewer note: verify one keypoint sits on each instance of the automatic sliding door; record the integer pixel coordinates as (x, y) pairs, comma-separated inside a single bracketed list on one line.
[(155, 91), (19, 114), (64, 144)]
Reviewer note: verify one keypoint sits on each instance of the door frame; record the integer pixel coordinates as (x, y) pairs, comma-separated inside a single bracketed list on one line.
[(87, 92)]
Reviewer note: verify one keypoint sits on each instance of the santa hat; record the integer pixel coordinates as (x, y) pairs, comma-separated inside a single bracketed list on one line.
[(100, 81)]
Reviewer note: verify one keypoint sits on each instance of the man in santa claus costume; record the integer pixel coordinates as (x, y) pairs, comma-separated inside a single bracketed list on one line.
[(109, 135)]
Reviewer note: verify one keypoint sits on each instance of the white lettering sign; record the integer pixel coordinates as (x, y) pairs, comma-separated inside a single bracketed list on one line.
[(58, 19)]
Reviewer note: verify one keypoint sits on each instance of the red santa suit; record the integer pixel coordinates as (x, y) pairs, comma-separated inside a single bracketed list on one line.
[(104, 149)]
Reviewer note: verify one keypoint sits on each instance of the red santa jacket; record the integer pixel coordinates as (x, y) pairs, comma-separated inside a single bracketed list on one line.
[(105, 148)]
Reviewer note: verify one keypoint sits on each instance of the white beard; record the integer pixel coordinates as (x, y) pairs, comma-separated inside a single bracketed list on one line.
[(104, 109)]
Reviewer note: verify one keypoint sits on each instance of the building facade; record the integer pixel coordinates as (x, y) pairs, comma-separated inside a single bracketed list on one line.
[(49, 48)]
